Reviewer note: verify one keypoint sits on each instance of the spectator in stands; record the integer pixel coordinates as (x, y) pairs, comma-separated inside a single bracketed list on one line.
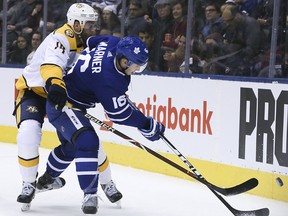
[(179, 23), (99, 11), (101, 3), (146, 34), (174, 59), (242, 41), (248, 7), (12, 7), (20, 17), (135, 18), (19, 51), (213, 54), (160, 24), (34, 18), (19, 20), (21, 13), (56, 16), (213, 22), (35, 42), (264, 17), (110, 21)]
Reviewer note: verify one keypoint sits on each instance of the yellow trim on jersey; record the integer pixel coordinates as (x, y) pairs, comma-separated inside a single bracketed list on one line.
[(104, 165), (39, 91), (18, 110), (28, 163), (21, 83), (68, 32), (58, 82), (49, 70)]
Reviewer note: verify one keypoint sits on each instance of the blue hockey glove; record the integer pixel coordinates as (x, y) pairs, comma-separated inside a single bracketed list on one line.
[(56, 92), (155, 130)]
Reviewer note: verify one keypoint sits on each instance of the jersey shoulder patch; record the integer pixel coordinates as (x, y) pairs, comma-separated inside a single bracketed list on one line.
[(69, 33), (66, 31)]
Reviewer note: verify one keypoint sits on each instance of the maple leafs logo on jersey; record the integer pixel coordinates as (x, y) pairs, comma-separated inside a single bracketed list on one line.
[(32, 109), (69, 33), (136, 50)]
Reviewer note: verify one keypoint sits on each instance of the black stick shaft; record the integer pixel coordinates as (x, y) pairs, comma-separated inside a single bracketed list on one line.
[(258, 212)]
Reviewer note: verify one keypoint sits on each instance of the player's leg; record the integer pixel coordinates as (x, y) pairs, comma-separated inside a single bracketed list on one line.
[(79, 132), (58, 160), (105, 178), (29, 112), (86, 161)]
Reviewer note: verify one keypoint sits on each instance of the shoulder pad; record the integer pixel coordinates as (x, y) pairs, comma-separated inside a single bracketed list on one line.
[(67, 31)]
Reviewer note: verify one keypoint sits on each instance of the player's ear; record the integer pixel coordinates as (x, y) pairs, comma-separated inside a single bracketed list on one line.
[(124, 61)]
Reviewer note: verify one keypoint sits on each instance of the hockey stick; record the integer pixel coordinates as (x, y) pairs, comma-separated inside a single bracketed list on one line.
[(264, 211), (241, 188), (213, 188), (248, 185)]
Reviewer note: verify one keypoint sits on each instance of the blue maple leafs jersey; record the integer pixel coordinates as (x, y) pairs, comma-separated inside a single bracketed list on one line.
[(95, 79)]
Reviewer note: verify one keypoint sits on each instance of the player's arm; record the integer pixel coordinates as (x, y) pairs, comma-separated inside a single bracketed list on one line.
[(51, 70), (54, 85), (121, 110)]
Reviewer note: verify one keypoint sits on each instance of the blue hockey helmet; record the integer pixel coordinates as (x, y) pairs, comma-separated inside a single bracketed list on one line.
[(134, 50)]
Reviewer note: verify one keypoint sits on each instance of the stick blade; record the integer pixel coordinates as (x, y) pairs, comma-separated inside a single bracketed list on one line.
[(257, 212), (241, 188)]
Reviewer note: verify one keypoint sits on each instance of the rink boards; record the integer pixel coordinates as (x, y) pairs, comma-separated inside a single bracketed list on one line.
[(230, 130)]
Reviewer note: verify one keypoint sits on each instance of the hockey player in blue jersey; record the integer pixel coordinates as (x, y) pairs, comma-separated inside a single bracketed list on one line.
[(100, 75)]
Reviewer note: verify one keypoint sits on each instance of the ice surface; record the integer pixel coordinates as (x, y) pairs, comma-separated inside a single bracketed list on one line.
[(144, 194)]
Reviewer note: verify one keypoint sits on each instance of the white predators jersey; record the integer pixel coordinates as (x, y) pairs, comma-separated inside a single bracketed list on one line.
[(59, 48)]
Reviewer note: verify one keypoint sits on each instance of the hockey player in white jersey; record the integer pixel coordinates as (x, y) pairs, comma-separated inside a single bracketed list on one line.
[(100, 75), (57, 52)]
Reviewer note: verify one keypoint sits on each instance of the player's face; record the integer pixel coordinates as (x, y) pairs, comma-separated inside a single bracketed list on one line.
[(129, 67), (132, 69), (88, 30)]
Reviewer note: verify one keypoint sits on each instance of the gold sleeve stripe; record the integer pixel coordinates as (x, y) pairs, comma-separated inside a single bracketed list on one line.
[(48, 71), (28, 163), (58, 82), (102, 167)]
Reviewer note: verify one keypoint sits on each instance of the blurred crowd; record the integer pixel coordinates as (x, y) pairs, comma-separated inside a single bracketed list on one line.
[(228, 37)]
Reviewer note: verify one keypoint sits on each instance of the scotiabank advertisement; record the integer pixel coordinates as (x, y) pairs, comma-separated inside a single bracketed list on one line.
[(242, 124), (238, 123)]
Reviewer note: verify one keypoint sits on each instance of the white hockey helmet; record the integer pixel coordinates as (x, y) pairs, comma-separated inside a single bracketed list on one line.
[(81, 12)]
